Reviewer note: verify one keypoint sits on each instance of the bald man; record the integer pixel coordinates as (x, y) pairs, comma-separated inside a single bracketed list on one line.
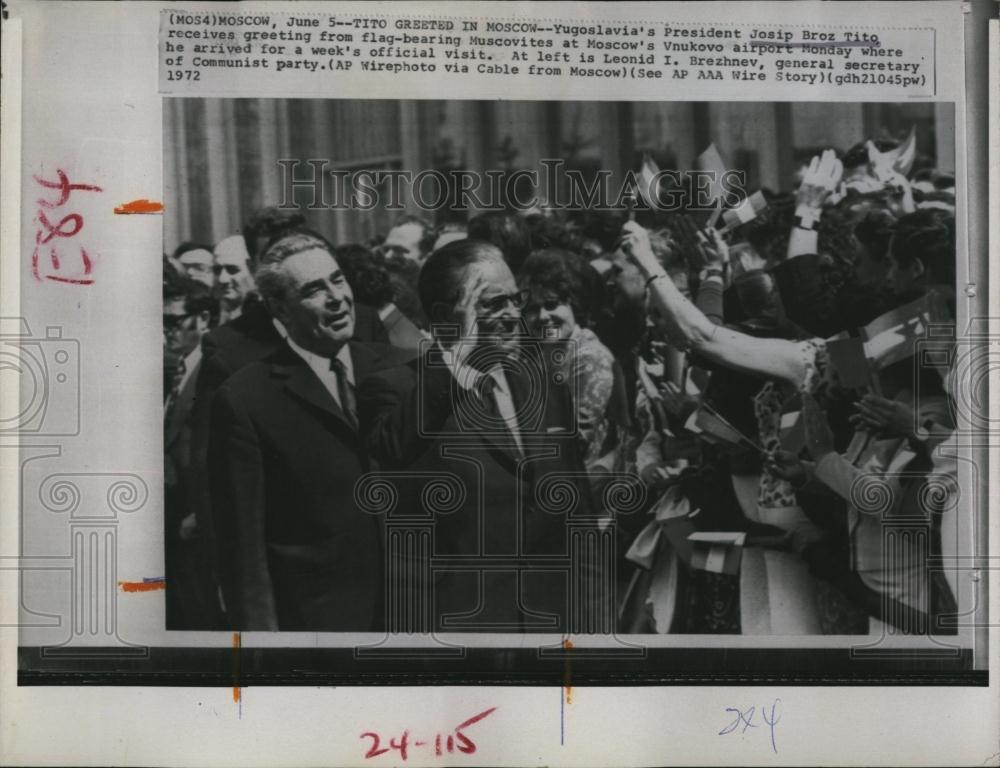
[(233, 278)]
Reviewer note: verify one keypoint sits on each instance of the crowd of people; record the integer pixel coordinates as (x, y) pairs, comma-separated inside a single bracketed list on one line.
[(729, 371)]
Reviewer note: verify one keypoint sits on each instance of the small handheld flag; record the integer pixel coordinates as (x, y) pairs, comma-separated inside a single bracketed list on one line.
[(745, 212)]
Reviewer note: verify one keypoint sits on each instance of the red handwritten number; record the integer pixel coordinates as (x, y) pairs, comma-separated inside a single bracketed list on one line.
[(75, 219), (374, 751), (458, 739), (466, 744), (401, 745), (64, 188), (68, 226)]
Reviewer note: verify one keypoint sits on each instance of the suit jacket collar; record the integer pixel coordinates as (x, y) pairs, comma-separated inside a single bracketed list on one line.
[(180, 409), (303, 384), (501, 442)]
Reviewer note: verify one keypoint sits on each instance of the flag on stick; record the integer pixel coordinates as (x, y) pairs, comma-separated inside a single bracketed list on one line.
[(648, 182), (717, 551), (847, 356), (892, 337), (710, 162), (714, 426), (745, 212), (793, 433), (905, 153)]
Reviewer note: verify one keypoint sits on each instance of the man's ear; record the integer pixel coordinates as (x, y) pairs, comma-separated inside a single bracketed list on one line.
[(917, 268), (204, 318), (275, 309)]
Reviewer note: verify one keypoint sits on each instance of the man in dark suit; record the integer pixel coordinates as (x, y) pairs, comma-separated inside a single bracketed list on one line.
[(254, 335), (295, 551), (192, 602), (230, 347), (481, 413)]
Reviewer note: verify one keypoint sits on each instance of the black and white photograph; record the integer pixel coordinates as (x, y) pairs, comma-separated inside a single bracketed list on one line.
[(572, 368), (543, 384)]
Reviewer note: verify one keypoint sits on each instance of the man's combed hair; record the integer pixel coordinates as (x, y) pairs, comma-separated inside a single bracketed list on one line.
[(189, 246), (430, 233), (270, 282), (268, 224), (366, 273), (439, 276), (507, 231)]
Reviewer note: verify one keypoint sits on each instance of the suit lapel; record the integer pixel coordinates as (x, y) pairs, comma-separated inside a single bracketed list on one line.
[(303, 384), (535, 420), (181, 408), (502, 439)]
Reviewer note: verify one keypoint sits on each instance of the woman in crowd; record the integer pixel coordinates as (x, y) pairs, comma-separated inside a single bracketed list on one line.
[(562, 289), (921, 255)]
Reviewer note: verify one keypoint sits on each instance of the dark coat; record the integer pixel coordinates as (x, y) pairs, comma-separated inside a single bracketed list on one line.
[(226, 350), (294, 550), (252, 336), (505, 517)]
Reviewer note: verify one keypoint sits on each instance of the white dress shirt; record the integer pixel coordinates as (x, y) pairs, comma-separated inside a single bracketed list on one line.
[(321, 367), (467, 378)]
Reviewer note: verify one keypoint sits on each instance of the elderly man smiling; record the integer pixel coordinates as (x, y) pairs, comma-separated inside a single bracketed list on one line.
[(295, 552)]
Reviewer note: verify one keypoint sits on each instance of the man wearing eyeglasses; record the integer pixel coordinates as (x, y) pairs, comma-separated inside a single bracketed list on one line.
[(188, 309), (481, 413)]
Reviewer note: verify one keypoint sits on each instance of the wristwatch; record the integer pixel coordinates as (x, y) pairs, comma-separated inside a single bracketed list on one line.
[(807, 217), (710, 271)]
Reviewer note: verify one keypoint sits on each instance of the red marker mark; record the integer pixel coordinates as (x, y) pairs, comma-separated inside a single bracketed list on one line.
[(455, 740), (66, 228), (75, 225), (64, 188), (140, 206), (237, 643), (567, 677), (142, 586)]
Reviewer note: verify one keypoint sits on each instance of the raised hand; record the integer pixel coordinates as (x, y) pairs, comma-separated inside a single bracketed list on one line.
[(714, 248), (887, 418), (819, 180), (636, 246), (786, 465), (673, 397), (468, 312)]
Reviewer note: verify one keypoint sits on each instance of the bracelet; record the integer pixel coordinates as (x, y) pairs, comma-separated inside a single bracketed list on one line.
[(657, 276), (802, 224)]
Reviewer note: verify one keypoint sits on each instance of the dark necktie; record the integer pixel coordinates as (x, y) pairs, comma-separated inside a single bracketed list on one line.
[(175, 388), (346, 391), (495, 424)]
